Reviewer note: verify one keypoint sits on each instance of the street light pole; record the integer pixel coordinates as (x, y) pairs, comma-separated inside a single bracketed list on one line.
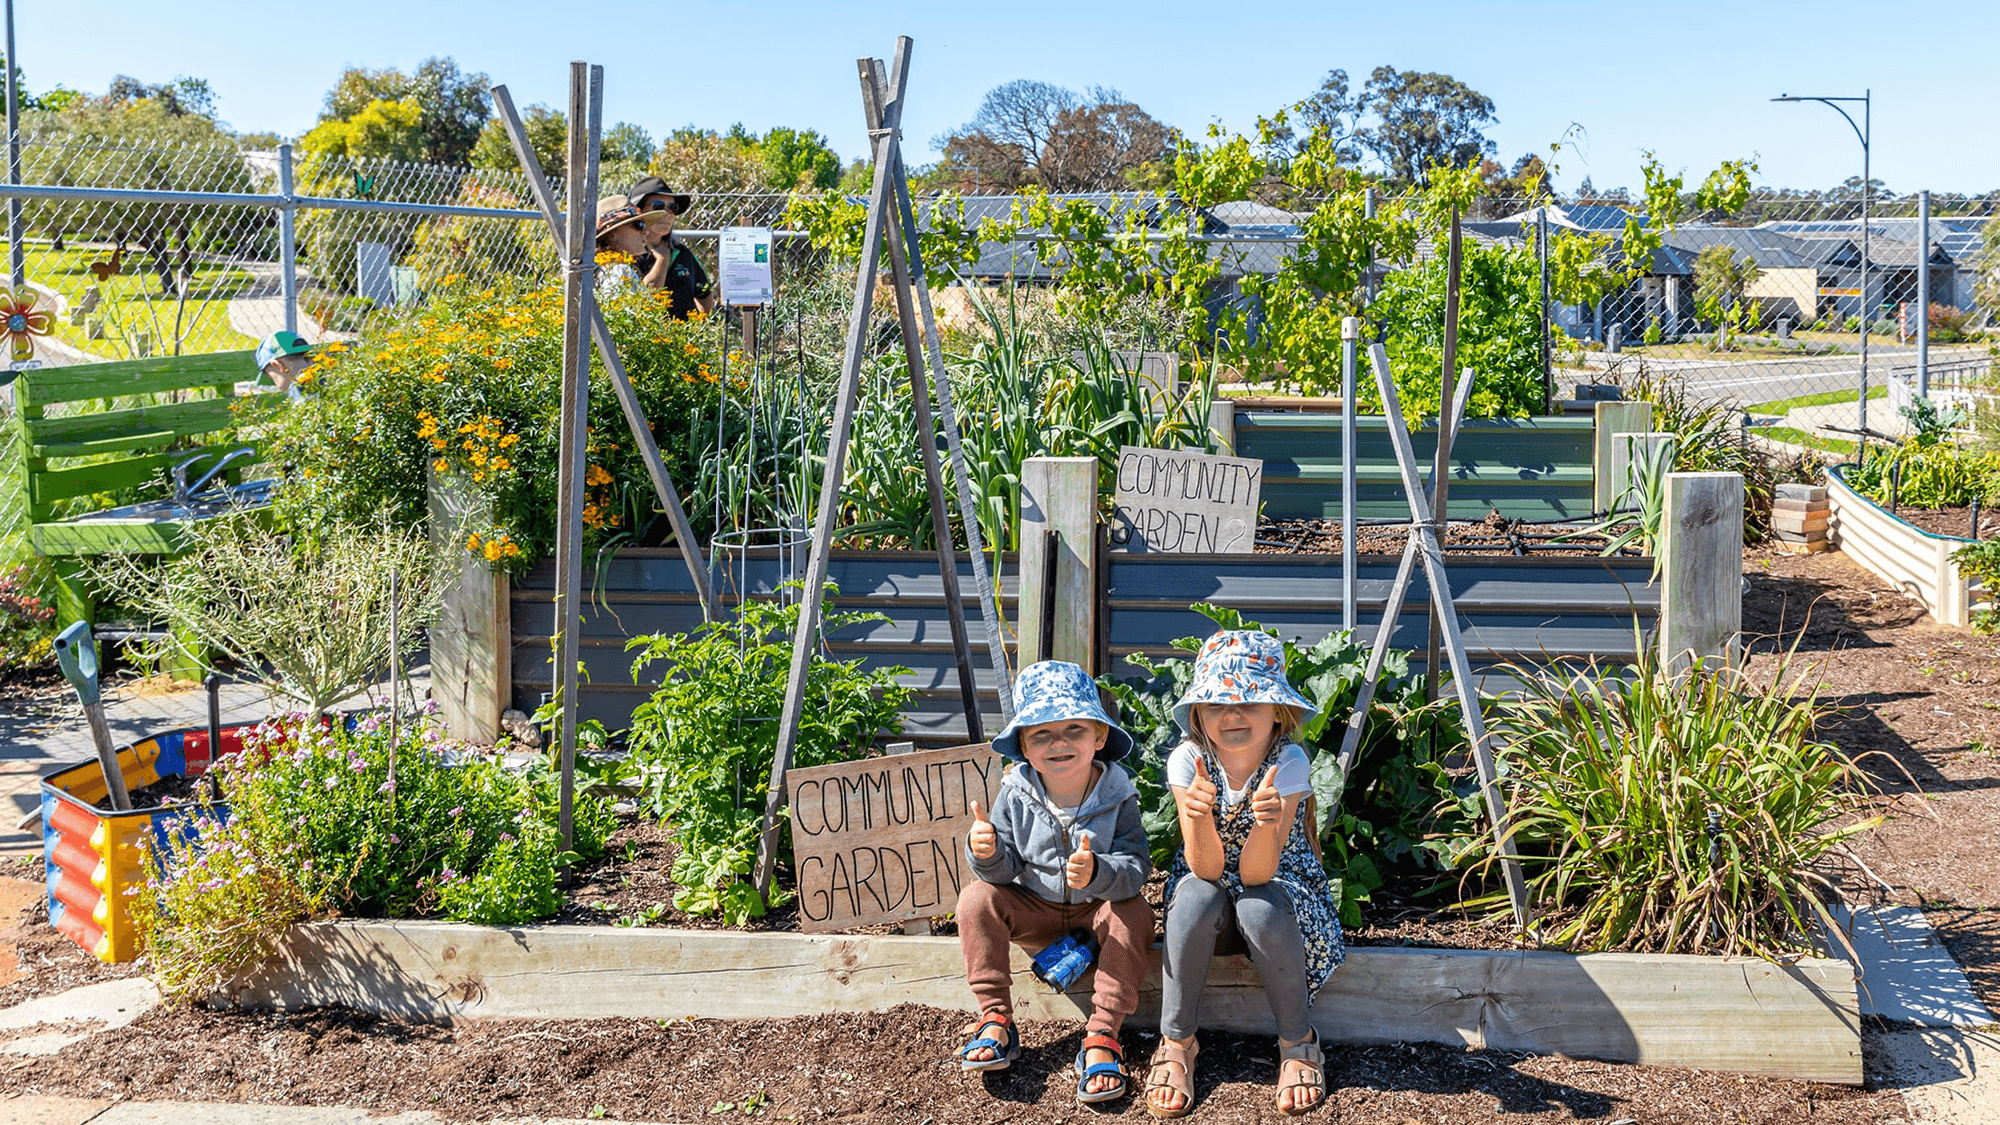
[(1861, 132)]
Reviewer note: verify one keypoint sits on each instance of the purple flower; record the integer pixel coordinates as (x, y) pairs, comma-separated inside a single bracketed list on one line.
[(457, 810), (386, 787), (332, 782)]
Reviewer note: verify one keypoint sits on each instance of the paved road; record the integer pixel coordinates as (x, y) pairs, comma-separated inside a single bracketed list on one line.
[(1776, 377)]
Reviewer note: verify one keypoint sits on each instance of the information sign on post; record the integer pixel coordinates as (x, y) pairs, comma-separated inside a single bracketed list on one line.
[(883, 839), (746, 266), (1180, 502)]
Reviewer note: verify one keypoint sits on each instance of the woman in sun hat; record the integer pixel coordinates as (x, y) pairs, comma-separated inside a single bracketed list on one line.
[(1249, 860), (666, 264)]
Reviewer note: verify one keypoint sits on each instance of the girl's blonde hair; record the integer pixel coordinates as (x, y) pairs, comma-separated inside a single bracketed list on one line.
[(1286, 728)]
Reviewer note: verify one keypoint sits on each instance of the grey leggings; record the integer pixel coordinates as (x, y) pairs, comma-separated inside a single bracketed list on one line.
[(1198, 915)]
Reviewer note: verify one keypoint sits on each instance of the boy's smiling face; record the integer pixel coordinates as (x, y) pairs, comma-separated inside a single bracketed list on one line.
[(1063, 752)]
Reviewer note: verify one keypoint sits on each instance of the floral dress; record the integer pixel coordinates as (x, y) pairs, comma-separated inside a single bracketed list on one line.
[(1300, 874)]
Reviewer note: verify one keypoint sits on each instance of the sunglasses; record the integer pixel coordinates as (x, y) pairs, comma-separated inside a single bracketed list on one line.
[(661, 205)]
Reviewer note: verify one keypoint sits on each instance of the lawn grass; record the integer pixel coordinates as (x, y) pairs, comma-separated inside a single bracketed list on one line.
[(1826, 398), (130, 302), (1792, 436)]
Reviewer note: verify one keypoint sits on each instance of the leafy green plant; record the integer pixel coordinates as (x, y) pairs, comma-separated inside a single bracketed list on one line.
[(703, 744), (1980, 563), (1926, 472), (319, 819), (1709, 438), (1676, 813), (1636, 517), (1500, 333), (1401, 809)]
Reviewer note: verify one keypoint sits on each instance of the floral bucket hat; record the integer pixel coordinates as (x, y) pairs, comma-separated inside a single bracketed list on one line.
[(1241, 666), (1054, 691)]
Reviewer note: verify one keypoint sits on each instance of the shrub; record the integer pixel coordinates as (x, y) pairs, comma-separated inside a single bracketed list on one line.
[(1980, 563), (25, 633), (1664, 813), (468, 389), (1500, 333), (1652, 335), (703, 745), (1951, 325), (315, 614), (323, 820), (1709, 438), (1400, 810)]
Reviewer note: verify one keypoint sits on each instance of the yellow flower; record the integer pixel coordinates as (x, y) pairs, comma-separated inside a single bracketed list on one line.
[(493, 551), (438, 465), (472, 542), (596, 474)]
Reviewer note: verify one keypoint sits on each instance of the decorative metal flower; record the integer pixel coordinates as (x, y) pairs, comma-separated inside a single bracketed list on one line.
[(21, 321)]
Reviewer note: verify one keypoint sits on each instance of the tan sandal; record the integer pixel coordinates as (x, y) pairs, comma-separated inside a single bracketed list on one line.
[(1306, 1071), (1172, 1068)]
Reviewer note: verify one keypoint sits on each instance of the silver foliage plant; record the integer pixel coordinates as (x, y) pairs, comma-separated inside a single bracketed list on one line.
[(310, 619)]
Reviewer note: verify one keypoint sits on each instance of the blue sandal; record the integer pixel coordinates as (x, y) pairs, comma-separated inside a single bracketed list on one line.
[(1004, 1053), (1085, 1071)]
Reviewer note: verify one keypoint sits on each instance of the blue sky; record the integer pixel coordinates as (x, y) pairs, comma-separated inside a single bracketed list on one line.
[(1690, 81)]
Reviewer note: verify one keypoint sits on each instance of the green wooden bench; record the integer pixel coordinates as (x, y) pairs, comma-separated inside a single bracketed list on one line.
[(67, 455)]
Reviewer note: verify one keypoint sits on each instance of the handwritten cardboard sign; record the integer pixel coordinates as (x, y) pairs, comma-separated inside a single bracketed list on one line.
[(883, 839), (1178, 502)]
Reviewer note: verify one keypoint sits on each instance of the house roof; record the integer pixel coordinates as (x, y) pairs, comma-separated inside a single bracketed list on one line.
[(1769, 249), (1602, 217)]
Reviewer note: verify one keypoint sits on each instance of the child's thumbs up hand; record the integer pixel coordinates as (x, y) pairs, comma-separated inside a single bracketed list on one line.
[(983, 841), (1082, 864), (1198, 800), (1265, 803)]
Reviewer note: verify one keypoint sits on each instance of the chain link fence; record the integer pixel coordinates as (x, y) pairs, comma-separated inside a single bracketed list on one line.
[(140, 251)]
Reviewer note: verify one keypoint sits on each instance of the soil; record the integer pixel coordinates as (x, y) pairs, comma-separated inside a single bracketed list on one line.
[(882, 1067), (1952, 521), (1920, 703), (173, 789), (1495, 535)]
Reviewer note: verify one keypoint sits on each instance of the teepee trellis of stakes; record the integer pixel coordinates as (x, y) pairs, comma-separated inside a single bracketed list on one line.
[(1423, 547), (891, 224)]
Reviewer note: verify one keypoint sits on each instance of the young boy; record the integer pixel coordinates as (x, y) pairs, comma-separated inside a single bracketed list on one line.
[(280, 359), (1062, 849)]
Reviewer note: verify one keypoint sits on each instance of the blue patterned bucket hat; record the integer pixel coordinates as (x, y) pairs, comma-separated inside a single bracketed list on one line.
[(1241, 666), (1051, 692)]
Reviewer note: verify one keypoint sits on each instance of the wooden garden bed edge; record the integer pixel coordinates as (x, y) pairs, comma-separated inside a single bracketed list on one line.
[(1799, 1021)]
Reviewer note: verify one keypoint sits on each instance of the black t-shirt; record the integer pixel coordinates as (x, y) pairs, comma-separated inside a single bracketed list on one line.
[(686, 283)]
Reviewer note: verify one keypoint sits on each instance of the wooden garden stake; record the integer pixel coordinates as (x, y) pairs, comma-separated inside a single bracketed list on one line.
[(1441, 469), (906, 266), (621, 384), (586, 88), (806, 638), (968, 504), (1424, 544)]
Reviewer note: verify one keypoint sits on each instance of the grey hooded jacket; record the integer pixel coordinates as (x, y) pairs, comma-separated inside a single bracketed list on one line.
[(1034, 850)]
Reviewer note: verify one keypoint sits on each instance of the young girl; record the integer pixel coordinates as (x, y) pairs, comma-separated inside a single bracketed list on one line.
[(1246, 859)]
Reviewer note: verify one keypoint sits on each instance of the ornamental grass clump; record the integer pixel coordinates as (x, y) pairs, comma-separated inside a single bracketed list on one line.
[(1678, 813), (317, 820)]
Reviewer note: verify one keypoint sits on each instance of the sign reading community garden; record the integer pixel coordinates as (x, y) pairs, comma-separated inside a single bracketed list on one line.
[(1179, 502), (883, 839)]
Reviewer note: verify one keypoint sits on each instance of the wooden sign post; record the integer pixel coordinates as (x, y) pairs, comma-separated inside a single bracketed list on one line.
[(1176, 501), (883, 839)]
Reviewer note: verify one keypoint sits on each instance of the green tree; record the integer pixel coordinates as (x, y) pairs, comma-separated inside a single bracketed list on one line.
[(380, 130), (626, 143), (452, 105), (1720, 278), (548, 135), (798, 158), (1422, 120)]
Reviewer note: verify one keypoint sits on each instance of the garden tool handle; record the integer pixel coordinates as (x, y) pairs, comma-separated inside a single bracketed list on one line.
[(76, 651)]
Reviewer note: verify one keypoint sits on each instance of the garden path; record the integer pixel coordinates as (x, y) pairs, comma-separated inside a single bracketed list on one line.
[(78, 1111)]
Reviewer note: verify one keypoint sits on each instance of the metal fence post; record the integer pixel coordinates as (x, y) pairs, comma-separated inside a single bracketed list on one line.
[(1548, 355), (288, 244), (17, 265), (1924, 294)]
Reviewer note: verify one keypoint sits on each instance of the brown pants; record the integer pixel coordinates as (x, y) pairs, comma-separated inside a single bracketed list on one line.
[(992, 916)]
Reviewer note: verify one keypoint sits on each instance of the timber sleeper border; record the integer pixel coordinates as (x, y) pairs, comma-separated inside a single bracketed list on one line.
[(1798, 1021)]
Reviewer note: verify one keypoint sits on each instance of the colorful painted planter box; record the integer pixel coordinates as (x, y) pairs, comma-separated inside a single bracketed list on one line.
[(94, 857)]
